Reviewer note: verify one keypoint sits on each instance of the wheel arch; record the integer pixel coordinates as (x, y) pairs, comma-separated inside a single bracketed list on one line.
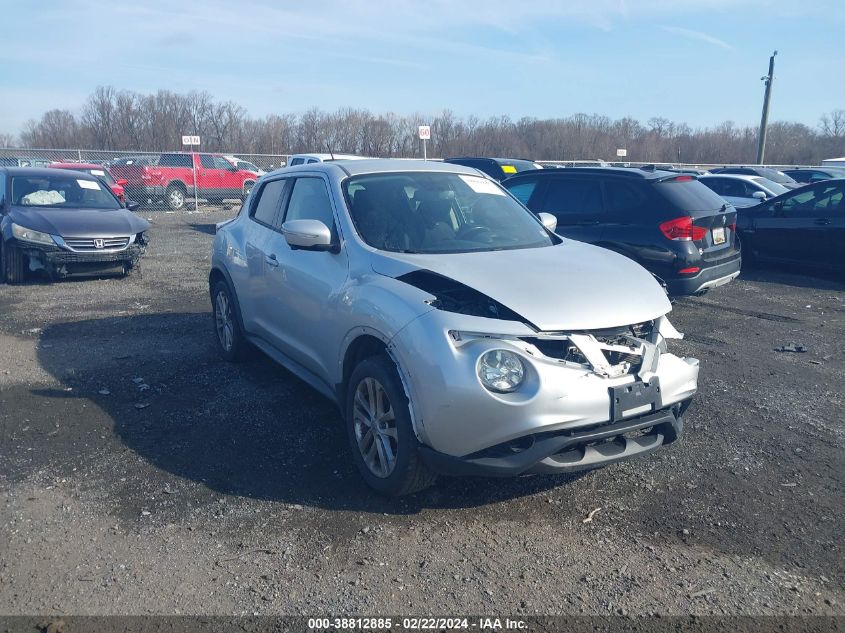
[(365, 343), (216, 275)]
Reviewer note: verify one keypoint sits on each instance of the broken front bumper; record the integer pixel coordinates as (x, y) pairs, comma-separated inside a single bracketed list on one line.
[(59, 262), (568, 450), (454, 414)]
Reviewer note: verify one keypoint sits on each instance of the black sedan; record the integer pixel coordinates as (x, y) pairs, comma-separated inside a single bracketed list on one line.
[(63, 222), (804, 226)]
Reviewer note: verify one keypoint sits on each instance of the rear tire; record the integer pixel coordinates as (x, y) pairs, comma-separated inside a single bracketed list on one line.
[(229, 336), (11, 264), (381, 436), (175, 197)]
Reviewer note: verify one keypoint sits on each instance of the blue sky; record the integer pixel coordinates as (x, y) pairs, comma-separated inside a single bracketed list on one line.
[(685, 60)]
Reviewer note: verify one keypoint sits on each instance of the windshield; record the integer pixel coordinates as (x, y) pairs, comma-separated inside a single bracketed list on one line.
[(66, 191), (774, 187), (437, 212)]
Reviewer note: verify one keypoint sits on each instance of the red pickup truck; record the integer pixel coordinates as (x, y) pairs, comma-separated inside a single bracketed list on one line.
[(172, 179)]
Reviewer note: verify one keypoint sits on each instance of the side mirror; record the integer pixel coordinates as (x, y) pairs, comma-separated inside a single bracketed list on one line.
[(132, 205), (548, 220), (310, 235), (122, 182), (759, 195)]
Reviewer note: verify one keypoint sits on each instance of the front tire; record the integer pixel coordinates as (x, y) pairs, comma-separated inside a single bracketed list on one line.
[(381, 436), (231, 342), (11, 264)]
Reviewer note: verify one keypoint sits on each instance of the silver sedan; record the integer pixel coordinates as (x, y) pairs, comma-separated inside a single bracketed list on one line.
[(455, 330)]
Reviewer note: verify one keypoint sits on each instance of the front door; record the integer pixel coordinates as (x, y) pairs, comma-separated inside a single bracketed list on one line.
[(798, 226), (305, 291)]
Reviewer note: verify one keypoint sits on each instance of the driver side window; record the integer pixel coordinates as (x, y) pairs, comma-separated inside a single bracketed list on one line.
[(821, 199), (310, 200)]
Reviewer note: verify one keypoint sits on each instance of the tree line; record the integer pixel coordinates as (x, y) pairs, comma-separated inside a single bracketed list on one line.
[(123, 120)]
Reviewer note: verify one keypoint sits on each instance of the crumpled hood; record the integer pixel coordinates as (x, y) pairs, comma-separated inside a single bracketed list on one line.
[(80, 222), (570, 286)]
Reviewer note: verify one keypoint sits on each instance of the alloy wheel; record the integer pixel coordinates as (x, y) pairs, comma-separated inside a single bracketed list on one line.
[(375, 427), (223, 321)]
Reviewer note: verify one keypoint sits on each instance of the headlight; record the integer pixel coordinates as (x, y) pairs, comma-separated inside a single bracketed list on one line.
[(28, 235), (500, 370)]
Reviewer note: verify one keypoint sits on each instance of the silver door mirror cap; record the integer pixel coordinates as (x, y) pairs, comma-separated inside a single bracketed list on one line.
[(760, 195), (310, 235), (548, 220)]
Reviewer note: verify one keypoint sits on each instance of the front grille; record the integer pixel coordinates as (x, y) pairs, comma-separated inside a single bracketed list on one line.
[(95, 245)]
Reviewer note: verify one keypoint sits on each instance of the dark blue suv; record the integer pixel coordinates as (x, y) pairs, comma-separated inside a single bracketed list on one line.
[(669, 223)]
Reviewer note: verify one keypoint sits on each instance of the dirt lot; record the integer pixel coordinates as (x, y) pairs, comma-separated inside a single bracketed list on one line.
[(140, 474)]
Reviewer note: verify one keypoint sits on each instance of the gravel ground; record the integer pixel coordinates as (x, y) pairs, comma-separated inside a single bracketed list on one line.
[(140, 474)]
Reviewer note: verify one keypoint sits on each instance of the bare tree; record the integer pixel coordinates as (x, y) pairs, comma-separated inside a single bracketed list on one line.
[(125, 120)]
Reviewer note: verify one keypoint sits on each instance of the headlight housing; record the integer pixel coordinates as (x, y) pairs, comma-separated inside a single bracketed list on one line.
[(29, 235), (500, 370)]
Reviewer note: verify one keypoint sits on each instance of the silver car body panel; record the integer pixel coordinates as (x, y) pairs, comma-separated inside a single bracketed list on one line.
[(307, 308)]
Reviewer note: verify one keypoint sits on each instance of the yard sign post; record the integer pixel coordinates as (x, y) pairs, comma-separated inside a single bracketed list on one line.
[(425, 134), (190, 141)]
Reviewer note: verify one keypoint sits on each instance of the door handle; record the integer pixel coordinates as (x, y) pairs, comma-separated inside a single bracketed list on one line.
[(271, 260), (821, 221)]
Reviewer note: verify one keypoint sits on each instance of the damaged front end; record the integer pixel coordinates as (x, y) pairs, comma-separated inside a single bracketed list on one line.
[(85, 255), (581, 398)]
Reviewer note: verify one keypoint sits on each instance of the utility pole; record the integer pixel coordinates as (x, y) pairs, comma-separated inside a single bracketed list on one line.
[(764, 121)]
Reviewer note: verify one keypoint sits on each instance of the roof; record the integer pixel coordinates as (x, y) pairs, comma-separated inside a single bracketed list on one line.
[(75, 166), (327, 157), (622, 172), (44, 172), (755, 179), (379, 165)]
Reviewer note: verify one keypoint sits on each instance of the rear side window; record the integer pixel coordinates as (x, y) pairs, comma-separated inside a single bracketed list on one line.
[(568, 196), (175, 160), (264, 209), (623, 197), (688, 195), (523, 190)]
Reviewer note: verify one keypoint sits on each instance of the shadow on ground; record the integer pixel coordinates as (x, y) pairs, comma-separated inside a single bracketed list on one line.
[(249, 429)]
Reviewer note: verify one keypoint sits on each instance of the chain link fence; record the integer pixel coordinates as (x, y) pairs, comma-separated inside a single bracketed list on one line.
[(162, 180), (165, 180)]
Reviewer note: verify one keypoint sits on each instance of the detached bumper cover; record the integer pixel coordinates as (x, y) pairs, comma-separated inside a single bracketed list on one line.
[(567, 451)]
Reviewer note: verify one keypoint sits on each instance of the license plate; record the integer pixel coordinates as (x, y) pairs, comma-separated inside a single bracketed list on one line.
[(634, 399), (719, 235)]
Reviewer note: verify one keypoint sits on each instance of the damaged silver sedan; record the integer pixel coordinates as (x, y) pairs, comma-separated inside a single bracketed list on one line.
[(456, 332)]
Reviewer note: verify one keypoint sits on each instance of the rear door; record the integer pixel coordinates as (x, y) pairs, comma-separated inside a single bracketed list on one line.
[(577, 205), (259, 241)]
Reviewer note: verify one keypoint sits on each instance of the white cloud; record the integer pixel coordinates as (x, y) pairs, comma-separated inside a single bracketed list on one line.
[(698, 35)]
